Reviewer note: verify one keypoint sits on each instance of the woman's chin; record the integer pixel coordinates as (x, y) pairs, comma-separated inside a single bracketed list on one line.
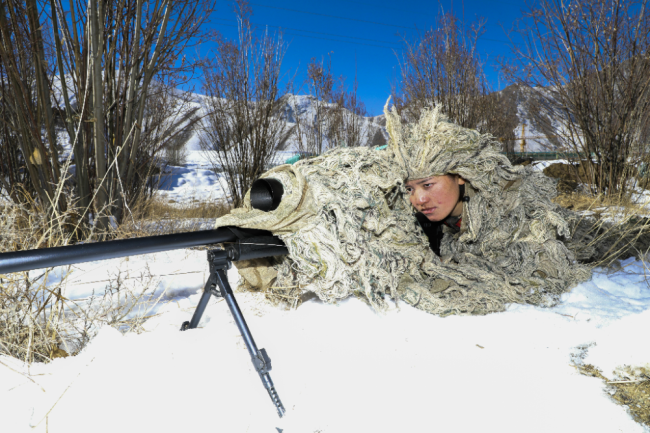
[(433, 217)]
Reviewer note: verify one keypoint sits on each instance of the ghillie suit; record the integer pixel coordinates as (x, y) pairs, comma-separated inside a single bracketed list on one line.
[(346, 225), (511, 244), (350, 229)]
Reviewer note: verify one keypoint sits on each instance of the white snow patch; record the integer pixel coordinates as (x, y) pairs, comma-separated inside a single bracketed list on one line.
[(338, 368)]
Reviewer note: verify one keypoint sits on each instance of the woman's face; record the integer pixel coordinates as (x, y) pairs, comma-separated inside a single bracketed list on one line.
[(436, 196)]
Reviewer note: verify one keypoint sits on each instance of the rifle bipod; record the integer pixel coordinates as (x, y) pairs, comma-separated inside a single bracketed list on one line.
[(220, 261)]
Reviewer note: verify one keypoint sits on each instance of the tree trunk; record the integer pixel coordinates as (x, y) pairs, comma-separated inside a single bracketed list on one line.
[(96, 51)]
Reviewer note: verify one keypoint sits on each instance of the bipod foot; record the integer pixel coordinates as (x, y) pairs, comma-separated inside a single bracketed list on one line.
[(262, 364)]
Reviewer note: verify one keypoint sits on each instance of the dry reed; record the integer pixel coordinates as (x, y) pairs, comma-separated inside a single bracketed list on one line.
[(632, 391), (37, 322), (612, 227), (159, 216)]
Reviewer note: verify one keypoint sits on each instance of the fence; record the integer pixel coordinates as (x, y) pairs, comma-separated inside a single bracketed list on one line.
[(535, 156), (544, 156)]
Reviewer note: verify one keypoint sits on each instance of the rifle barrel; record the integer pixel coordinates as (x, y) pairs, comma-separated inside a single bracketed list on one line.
[(57, 256)]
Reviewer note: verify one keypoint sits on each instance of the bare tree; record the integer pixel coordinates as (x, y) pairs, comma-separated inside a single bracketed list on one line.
[(356, 133), (241, 131), (313, 127), (337, 115), (169, 121), (442, 68), (29, 139), (345, 117), (91, 65), (590, 58), (498, 114)]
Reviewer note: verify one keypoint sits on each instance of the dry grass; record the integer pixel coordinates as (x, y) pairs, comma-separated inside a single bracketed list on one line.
[(29, 317), (31, 312), (628, 235), (37, 322), (160, 216), (160, 208), (611, 227), (572, 196), (631, 391), (600, 204)]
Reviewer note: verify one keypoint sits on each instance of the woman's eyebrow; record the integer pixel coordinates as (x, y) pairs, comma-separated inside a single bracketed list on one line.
[(420, 182)]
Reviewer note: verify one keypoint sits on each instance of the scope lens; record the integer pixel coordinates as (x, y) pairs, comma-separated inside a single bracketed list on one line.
[(266, 194)]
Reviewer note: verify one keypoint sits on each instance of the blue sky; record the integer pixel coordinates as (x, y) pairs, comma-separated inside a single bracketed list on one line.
[(364, 36)]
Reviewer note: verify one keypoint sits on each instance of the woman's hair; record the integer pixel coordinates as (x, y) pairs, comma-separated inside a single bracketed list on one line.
[(434, 146)]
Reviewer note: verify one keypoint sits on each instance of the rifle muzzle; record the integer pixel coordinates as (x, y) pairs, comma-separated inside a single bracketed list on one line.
[(266, 194)]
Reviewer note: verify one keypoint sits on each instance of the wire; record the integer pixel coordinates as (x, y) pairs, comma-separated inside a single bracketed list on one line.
[(343, 36), (325, 39), (328, 16), (417, 12), (364, 21), (318, 33), (374, 6)]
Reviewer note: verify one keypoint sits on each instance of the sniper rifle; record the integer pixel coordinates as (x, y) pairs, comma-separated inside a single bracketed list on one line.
[(238, 244)]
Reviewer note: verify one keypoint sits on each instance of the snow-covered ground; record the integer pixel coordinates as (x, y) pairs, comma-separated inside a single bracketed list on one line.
[(192, 182), (337, 368), (197, 181)]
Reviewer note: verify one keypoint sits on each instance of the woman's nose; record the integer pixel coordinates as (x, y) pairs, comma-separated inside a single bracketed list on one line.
[(421, 197)]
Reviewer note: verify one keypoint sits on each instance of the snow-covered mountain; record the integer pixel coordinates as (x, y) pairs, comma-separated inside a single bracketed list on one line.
[(539, 118), (306, 109)]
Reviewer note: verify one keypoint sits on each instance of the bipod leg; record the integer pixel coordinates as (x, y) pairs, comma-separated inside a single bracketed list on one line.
[(260, 359), (208, 290), (220, 262)]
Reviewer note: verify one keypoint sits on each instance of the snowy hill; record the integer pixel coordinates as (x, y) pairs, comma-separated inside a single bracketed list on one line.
[(539, 115), (305, 108), (199, 182)]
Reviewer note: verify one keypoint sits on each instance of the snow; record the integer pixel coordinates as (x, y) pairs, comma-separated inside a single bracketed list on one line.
[(191, 182), (541, 165), (337, 368)]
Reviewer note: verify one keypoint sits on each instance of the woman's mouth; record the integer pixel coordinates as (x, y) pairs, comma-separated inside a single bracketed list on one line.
[(428, 210)]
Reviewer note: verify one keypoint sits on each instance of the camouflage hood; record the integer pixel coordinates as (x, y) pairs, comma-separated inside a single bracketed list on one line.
[(434, 146)]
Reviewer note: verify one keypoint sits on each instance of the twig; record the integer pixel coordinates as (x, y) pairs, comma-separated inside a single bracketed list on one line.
[(61, 396), (628, 381), (24, 375)]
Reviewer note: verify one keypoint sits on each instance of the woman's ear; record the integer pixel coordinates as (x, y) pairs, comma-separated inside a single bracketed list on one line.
[(460, 180)]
